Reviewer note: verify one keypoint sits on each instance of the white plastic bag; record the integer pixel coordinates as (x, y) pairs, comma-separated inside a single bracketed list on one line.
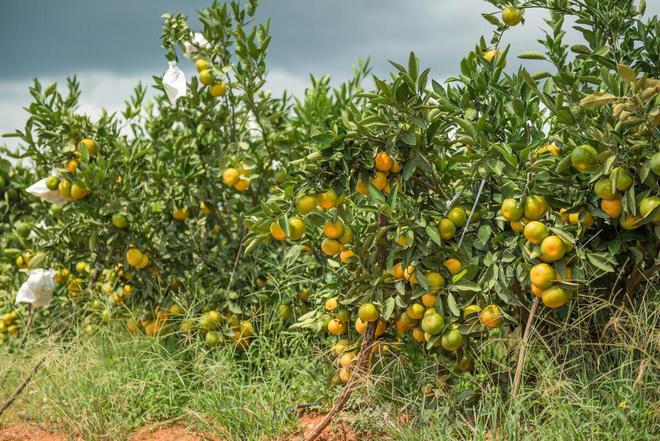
[(174, 81), (40, 190), (198, 40), (38, 288)]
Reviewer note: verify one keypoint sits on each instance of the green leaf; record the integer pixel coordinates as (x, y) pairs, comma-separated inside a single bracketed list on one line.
[(453, 307), (602, 261), (531, 55)]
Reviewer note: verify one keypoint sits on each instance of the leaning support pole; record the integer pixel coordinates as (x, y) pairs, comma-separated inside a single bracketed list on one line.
[(523, 348), (360, 371)]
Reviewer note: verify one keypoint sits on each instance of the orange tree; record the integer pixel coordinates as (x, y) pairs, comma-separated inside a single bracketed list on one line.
[(152, 199), (443, 211)]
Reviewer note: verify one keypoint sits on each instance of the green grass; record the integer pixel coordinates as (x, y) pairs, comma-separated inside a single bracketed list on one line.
[(579, 385)]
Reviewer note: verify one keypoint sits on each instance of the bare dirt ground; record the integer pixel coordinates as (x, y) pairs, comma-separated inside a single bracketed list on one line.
[(337, 431)]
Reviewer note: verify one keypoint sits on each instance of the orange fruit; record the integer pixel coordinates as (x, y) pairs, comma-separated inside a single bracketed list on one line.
[(381, 327), (361, 187), (347, 236), (538, 292), (409, 274), (327, 199), (333, 230), (346, 256), (218, 89), (345, 375), (603, 189), (384, 162), (588, 221), (512, 210), (447, 229), (555, 297), (491, 54), (206, 77), (330, 247), (628, 222), (612, 207), (415, 311), (647, 205), (534, 207), (201, 65), (435, 280), (490, 316), (71, 166), (535, 232), (78, 192), (397, 271), (552, 249), (433, 323), (360, 326), (347, 359), (297, 227), (452, 340), (454, 266), (379, 180), (242, 184), (230, 176), (517, 226), (180, 214), (583, 157), (428, 299), (331, 304), (396, 167), (623, 179), (458, 216), (511, 16), (542, 275), (418, 335), (335, 327), (368, 312), (306, 204)]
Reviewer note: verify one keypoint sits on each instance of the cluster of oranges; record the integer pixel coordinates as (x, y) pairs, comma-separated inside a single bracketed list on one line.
[(67, 186), (236, 178), (8, 325), (207, 78), (384, 170), (526, 217)]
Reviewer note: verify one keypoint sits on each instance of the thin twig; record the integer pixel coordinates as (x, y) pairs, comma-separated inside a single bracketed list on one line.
[(22, 386)]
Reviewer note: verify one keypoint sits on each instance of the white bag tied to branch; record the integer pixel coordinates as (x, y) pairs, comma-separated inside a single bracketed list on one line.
[(191, 47), (40, 190), (174, 82), (38, 288)]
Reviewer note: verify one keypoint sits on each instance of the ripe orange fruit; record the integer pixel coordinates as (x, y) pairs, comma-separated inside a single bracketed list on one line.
[(91, 145), (397, 271), (330, 247), (65, 188), (603, 189), (517, 226), (583, 157), (415, 311), (384, 162), (134, 257), (538, 292), (71, 166), (534, 207), (535, 232), (381, 327), (588, 220), (555, 297), (447, 229), (428, 299), (512, 210), (347, 359), (418, 335), (242, 184), (331, 304), (379, 180), (542, 275), (405, 240), (78, 192), (490, 316), (345, 375), (327, 199), (628, 222), (346, 256), (452, 340), (511, 16), (409, 274), (612, 207), (454, 266), (458, 216), (333, 230), (180, 214), (396, 167), (368, 312), (552, 249), (435, 280), (433, 323), (306, 204), (335, 327), (218, 89), (230, 176), (361, 187), (360, 326)]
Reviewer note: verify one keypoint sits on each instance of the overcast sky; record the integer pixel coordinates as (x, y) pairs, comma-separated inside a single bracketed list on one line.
[(112, 44)]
